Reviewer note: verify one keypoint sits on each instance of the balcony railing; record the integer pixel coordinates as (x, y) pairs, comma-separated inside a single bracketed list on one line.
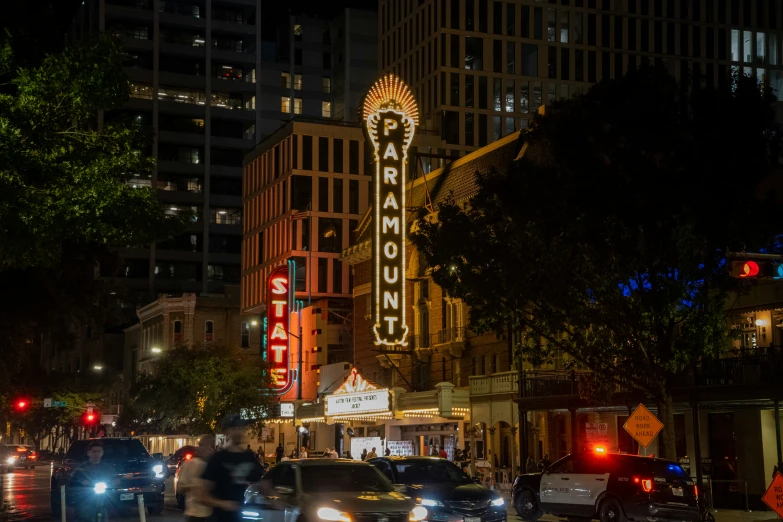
[(503, 382), (760, 367)]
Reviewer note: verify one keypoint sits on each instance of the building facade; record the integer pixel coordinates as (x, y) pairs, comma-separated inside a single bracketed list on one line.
[(188, 320), (481, 68), (209, 78)]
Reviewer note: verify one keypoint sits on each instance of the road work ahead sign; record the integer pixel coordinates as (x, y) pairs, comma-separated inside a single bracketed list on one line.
[(774, 495), (643, 426)]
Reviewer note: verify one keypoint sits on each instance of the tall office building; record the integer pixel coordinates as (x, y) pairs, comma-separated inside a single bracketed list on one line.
[(210, 78), (481, 68)]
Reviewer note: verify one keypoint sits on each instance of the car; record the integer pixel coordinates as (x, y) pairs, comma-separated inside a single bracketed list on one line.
[(179, 496), (21, 456), (6, 463), (328, 489), (443, 489), (608, 486), (137, 473), (181, 455)]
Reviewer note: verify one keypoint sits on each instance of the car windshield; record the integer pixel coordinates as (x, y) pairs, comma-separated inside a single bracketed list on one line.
[(430, 471), (113, 450), (337, 478)]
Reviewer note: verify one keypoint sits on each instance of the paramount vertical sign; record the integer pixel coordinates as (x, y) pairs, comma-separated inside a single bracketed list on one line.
[(390, 115)]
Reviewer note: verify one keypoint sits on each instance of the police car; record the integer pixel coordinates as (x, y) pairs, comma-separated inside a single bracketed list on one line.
[(610, 487)]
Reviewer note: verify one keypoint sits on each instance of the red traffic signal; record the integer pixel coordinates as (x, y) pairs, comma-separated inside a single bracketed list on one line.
[(21, 404), (90, 418), (748, 269)]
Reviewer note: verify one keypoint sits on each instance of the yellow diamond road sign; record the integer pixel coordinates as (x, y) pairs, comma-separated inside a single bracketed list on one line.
[(643, 426)]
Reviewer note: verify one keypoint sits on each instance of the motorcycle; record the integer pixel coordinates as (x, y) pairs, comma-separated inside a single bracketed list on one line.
[(97, 509)]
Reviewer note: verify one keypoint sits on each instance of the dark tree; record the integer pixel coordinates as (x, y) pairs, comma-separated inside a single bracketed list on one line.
[(607, 241)]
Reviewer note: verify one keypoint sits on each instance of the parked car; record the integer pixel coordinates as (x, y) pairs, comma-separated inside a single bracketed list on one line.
[(607, 486), (328, 489), (443, 489), (137, 473), (178, 457), (21, 456)]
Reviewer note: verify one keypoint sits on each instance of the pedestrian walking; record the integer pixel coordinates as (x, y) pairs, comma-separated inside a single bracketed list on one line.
[(388, 451), (189, 481), (279, 453), (530, 465), (229, 472), (371, 455), (364, 454), (443, 454), (261, 456)]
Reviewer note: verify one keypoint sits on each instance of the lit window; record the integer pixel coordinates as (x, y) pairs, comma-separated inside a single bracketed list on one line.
[(326, 109), (298, 32), (298, 82), (326, 83), (735, 52), (141, 90), (285, 104), (198, 41), (285, 80), (297, 105)]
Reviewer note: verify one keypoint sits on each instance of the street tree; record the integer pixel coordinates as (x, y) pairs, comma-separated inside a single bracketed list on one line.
[(66, 204), (194, 388), (607, 241)]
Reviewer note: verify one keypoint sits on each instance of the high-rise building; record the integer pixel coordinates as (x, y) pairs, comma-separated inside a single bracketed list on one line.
[(481, 68), (210, 78)]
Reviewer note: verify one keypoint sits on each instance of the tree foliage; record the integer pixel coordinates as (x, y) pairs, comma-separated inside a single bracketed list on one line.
[(607, 241), (194, 388), (65, 204)]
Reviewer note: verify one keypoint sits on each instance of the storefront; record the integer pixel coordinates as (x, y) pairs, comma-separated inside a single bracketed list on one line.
[(362, 415)]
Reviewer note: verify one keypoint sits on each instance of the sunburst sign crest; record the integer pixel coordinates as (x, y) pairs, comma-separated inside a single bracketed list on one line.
[(390, 92)]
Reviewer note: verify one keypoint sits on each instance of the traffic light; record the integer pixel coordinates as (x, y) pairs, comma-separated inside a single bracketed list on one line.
[(90, 418), (752, 269), (21, 405)]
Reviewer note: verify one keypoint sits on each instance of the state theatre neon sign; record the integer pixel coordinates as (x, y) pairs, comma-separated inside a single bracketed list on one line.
[(278, 342), (390, 114)]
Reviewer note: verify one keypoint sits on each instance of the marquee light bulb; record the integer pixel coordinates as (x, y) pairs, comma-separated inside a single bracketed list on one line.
[(390, 92)]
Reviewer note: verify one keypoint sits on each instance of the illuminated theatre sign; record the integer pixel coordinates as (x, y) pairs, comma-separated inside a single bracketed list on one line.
[(390, 114), (277, 342), (356, 396)]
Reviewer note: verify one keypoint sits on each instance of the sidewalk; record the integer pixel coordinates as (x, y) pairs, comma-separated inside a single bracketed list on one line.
[(723, 515)]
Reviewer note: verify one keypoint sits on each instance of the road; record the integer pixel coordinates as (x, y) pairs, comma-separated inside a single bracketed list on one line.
[(25, 496)]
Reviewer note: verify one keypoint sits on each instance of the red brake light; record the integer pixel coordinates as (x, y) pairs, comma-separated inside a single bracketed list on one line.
[(647, 485), (599, 449), (21, 450), (188, 456), (696, 491)]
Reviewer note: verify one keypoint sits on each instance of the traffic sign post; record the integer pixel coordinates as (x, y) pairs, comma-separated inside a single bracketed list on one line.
[(774, 495), (643, 426)]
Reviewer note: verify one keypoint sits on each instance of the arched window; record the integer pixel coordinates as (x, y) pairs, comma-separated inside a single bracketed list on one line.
[(209, 328)]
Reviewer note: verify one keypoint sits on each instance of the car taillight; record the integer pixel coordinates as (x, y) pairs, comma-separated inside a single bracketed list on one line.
[(188, 456), (33, 456), (696, 491), (647, 484)]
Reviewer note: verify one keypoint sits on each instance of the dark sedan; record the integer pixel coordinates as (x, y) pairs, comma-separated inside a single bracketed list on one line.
[(20, 456), (440, 486), (133, 473), (181, 455)]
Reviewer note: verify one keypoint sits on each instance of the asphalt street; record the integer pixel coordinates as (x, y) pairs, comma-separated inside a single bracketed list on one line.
[(25, 496)]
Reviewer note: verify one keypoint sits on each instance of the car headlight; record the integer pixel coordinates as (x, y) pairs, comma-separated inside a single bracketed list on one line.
[(497, 502), (158, 469), (100, 488), (418, 514), (11, 460), (251, 515), (430, 503), (327, 513)]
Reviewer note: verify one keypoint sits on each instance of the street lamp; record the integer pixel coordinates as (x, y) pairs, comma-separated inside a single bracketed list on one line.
[(97, 367), (253, 323)]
